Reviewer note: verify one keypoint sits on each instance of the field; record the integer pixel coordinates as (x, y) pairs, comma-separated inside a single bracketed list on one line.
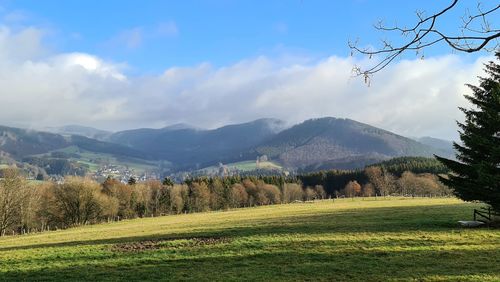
[(96, 160), (362, 239), (244, 166)]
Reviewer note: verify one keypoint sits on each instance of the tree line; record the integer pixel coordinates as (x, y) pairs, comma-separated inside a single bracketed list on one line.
[(386, 177), (27, 207)]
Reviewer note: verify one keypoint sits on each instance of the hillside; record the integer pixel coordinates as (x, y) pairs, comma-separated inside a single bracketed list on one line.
[(444, 145), (85, 131), (18, 143), (345, 240), (48, 151), (189, 147), (333, 142), (313, 145)]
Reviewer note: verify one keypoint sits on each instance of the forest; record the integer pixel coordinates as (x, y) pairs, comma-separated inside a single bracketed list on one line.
[(30, 207)]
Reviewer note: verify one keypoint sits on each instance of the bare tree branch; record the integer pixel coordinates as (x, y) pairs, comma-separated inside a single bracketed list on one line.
[(471, 37)]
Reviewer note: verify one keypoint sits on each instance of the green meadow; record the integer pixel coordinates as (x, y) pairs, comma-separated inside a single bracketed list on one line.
[(356, 240)]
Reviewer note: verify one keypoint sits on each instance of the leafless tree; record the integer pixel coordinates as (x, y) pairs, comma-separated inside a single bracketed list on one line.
[(475, 33), (12, 190)]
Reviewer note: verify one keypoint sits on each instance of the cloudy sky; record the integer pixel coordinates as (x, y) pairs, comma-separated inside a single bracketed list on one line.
[(126, 64)]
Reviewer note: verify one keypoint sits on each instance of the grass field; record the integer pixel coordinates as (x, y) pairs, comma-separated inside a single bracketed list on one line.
[(365, 240), (244, 166), (96, 160)]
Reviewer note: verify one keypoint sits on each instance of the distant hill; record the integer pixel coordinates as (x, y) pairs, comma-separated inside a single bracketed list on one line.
[(316, 144), (188, 147), (441, 144), (18, 143), (339, 143), (85, 131), (312, 145)]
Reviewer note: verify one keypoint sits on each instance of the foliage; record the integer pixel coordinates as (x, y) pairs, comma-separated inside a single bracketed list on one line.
[(57, 166), (80, 201), (352, 189), (382, 176), (413, 164), (476, 174)]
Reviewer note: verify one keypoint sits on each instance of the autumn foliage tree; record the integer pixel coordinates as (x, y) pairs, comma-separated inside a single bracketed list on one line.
[(352, 189)]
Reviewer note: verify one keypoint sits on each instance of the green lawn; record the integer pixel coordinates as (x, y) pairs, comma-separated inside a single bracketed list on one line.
[(251, 165), (244, 166), (365, 240)]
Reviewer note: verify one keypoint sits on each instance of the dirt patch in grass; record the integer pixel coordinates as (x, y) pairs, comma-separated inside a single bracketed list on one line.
[(140, 246)]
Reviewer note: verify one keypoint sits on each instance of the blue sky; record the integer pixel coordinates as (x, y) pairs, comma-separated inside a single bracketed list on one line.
[(126, 64), (153, 35)]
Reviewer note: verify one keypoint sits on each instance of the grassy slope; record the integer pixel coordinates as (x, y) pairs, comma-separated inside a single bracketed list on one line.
[(95, 160), (345, 240), (245, 166)]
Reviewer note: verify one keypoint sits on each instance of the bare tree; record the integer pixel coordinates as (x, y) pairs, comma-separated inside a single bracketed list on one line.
[(475, 33), (352, 189), (12, 188), (76, 201)]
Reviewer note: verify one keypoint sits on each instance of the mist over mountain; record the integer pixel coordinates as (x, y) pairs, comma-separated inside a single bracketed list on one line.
[(314, 144), (86, 131), (442, 144), (321, 143), (18, 143), (340, 143), (197, 147)]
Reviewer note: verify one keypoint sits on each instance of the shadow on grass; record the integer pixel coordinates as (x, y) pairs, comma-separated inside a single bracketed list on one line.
[(351, 265), (391, 219)]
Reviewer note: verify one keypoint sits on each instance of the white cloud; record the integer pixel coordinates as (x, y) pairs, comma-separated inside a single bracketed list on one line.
[(24, 44), (91, 64), (411, 97)]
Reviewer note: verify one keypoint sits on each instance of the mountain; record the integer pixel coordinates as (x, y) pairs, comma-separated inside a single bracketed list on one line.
[(314, 144), (179, 126), (188, 147), (85, 131), (441, 144), (340, 143), (18, 143)]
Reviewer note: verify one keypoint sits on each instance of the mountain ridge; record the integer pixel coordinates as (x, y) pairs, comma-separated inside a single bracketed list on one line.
[(319, 143)]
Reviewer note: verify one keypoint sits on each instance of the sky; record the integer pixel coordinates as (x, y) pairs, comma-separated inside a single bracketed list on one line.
[(118, 65)]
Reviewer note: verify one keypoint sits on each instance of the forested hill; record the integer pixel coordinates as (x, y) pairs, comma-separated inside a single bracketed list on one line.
[(17, 143), (186, 146), (334, 141), (316, 144), (413, 164)]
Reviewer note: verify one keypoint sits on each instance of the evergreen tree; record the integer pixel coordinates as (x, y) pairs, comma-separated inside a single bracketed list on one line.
[(476, 174), (132, 181), (167, 182)]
